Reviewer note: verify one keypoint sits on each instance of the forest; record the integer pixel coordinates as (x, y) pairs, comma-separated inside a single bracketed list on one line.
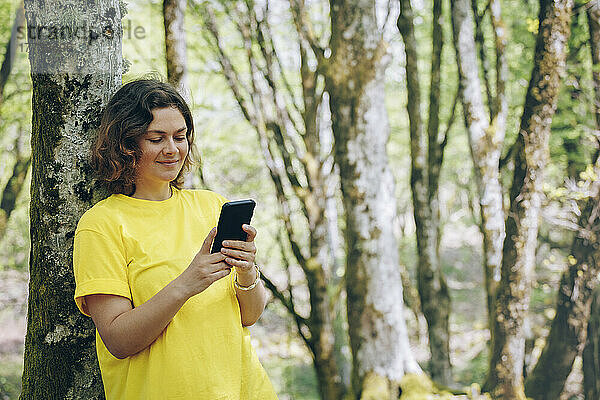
[(426, 173)]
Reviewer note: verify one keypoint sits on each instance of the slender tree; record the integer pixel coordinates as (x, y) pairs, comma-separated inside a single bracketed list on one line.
[(427, 149), (505, 379), (354, 79), (486, 128), (568, 332), (175, 44), (74, 72)]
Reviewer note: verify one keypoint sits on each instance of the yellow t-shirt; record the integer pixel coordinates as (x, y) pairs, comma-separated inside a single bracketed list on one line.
[(133, 248)]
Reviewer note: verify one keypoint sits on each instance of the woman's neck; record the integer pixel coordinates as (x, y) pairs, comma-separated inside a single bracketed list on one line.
[(157, 194)]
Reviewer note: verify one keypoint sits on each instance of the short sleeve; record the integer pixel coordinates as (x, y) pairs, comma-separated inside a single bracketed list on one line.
[(99, 266)]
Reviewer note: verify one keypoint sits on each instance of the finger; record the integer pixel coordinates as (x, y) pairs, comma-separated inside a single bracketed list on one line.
[(251, 232), (220, 274), (220, 266), (245, 265), (239, 245), (239, 254), (205, 249), (215, 258)]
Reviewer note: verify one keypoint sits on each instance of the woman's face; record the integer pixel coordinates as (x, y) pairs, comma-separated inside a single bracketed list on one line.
[(164, 148)]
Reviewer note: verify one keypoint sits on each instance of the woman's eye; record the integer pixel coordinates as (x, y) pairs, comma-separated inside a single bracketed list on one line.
[(180, 138), (155, 140)]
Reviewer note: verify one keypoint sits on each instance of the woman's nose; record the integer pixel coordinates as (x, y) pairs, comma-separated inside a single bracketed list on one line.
[(170, 147)]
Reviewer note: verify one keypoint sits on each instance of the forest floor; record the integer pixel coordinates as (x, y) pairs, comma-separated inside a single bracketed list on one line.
[(282, 352)]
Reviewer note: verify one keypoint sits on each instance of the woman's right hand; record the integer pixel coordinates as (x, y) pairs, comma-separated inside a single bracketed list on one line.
[(205, 268)]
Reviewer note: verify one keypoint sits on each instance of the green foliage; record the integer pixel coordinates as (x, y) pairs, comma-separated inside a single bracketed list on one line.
[(293, 378), (10, 379)]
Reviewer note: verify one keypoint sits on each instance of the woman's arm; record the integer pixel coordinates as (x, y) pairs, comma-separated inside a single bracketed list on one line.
[(252, 302), (126, 330), (241, 255)]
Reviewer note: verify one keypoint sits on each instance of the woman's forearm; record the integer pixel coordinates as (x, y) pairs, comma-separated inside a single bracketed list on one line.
[(134, 329), (252, 302)]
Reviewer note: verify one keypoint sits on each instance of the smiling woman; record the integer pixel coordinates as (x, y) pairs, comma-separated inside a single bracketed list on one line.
[(144, 109), (164, 148), (170, 318)]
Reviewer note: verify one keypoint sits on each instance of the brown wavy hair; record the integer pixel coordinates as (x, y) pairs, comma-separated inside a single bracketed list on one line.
[(115, 152)]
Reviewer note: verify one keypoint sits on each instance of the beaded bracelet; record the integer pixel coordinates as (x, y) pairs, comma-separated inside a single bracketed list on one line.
[(252, 285)]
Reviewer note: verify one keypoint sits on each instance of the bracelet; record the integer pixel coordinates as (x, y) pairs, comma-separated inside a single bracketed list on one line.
[(252, 285)]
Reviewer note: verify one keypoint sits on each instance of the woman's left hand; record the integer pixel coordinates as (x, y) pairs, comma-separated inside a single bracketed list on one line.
[(240, 254)]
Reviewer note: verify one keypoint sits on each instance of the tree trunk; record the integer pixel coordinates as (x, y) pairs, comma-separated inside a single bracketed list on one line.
[(568, 331), (173, 17), (591, 352), (505, 379), (485, 141), (74, 73), (354, 78), (426, 159)]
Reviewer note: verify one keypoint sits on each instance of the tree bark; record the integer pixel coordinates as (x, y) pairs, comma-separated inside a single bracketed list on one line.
[(175, 44), (485, 138), (505, 379), (426, 160), (567, 335), (354, 79), (73, 73)]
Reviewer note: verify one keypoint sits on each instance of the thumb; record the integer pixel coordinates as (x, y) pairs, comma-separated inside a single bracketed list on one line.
[(205, 249)]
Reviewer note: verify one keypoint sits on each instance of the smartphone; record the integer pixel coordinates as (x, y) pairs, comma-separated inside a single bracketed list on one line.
[(233, 215)]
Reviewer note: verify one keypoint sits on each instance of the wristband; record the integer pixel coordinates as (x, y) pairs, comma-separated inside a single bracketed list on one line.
[(252, 285)]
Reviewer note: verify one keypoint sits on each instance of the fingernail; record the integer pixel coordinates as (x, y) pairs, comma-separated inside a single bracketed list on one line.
[(225, 243)]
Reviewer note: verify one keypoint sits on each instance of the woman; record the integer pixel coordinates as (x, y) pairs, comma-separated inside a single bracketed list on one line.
[(170, 317)]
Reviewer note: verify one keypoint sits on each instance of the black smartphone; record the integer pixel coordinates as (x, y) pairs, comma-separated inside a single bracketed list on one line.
[(233, 215)]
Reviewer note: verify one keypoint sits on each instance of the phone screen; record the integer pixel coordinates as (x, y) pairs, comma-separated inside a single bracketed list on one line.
[(233, 215)]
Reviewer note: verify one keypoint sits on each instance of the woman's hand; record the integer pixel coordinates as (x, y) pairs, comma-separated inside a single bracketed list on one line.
[(205, 268), (241, 255)]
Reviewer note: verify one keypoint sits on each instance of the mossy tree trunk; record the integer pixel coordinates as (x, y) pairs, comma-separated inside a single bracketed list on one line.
[(568, 332), (486, 130), (427, 149), (505, 379), (74, 72), (354, 79), (591, 352)]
